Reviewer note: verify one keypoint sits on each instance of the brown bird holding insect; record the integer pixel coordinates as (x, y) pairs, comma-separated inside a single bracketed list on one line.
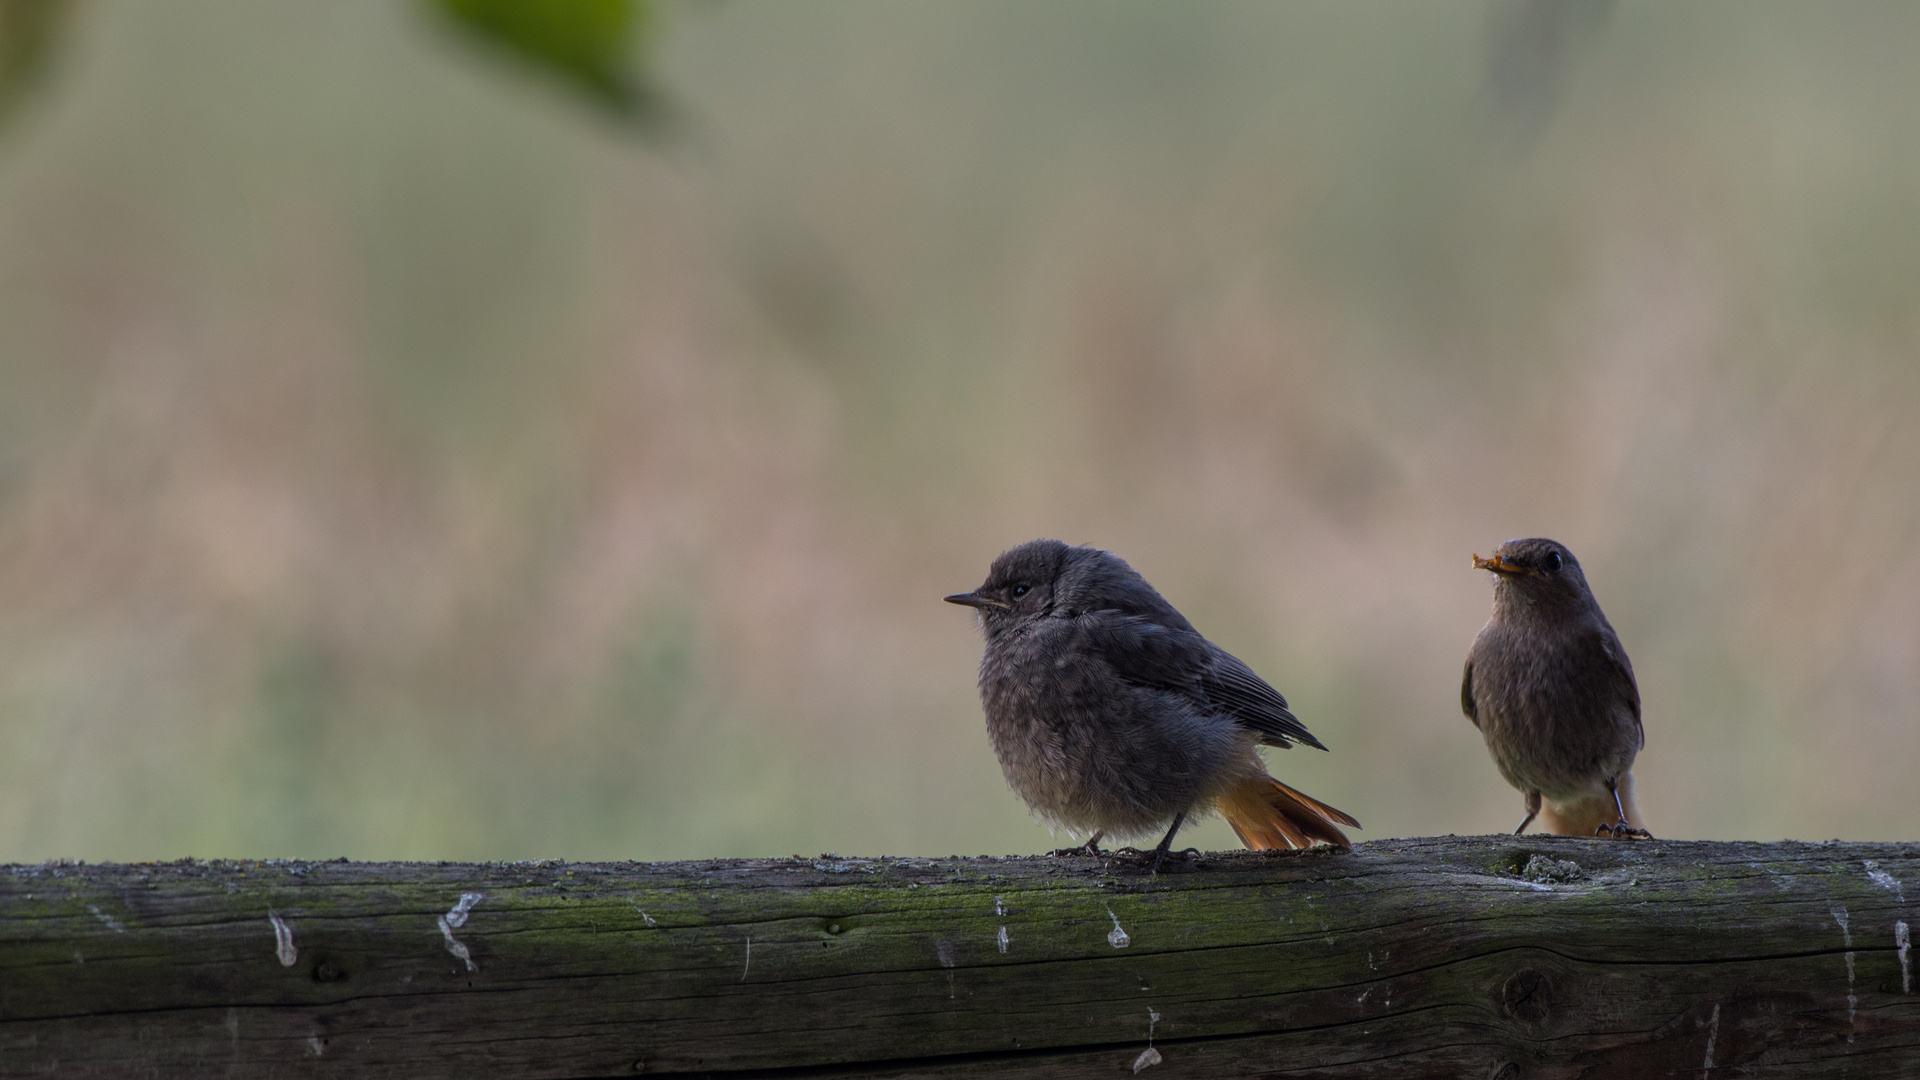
[(1549, 686)]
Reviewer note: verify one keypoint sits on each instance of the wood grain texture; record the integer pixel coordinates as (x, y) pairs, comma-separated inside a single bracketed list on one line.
[(1494, 957)]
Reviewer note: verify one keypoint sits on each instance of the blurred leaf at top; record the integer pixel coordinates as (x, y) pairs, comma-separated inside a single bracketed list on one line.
[(28, 29), (589, 44), (1534, 46)]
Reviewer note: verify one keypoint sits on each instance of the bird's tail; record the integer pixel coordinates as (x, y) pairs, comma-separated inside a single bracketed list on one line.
[(1265, 813)]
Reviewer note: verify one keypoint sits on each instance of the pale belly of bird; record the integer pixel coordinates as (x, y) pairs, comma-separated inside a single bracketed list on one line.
[(1099, 765), (1567, 758)]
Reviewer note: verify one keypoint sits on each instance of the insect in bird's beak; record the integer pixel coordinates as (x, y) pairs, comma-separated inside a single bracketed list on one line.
[(1499, 565)]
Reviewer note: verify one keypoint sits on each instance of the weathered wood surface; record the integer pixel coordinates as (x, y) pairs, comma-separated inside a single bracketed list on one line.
[(1404, 958)]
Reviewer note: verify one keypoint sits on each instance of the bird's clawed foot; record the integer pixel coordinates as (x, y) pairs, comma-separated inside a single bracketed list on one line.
[(1161, 855), (1622, 831), (1153, 859), (1090, 848)]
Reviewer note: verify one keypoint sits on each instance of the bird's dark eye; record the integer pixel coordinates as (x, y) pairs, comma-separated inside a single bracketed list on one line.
[(1021, 590), (1553, 561)]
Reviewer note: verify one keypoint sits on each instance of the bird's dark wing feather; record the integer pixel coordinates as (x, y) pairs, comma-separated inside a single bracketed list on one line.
[(1466, 694), (1257, 706), (1148, 654), (1620, 678)]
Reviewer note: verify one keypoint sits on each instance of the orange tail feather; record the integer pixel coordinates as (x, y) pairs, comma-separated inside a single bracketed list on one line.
[(1265, 813)]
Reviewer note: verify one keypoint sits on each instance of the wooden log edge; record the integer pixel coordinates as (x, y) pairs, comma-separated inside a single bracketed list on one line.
[(1497, 957)]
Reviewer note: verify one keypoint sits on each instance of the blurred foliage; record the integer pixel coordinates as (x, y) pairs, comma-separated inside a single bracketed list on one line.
[(1533, 45), (588, 44), (28, 29)]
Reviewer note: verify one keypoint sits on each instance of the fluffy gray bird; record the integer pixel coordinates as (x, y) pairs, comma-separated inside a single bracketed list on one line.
[(1550, 688), (1112, 715)]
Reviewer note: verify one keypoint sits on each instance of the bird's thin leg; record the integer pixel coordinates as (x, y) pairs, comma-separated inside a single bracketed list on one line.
[(1160, 852), (1533, 809), (1091, 847), (1624, 830)]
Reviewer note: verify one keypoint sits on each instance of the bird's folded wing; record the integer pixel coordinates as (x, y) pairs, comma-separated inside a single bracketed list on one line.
[(1620, 676), (1149, 654)]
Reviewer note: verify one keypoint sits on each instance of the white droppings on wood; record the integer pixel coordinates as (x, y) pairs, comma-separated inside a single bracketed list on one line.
[(1883, 879), (1149, 1056), (1000, 907), (283, 940), (1903, 946), (1364, 994), (457, 915), (455, 946), (748, 966), (107, 920), (1846, 935), (1713, 1032), (648, 919), (1002, 940), (1118, 938), (315, 1048)]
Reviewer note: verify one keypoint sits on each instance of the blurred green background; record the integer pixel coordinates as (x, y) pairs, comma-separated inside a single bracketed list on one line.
[(405, 453)]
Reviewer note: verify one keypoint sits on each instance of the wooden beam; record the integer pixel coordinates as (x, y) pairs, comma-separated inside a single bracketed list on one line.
[(1494, 957)]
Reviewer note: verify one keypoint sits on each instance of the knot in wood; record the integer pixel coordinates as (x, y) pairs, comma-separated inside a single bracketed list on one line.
[(1527, 996)]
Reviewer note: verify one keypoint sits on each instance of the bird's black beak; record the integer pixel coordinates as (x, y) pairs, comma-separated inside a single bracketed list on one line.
[(974, 599), (1499, 565)]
